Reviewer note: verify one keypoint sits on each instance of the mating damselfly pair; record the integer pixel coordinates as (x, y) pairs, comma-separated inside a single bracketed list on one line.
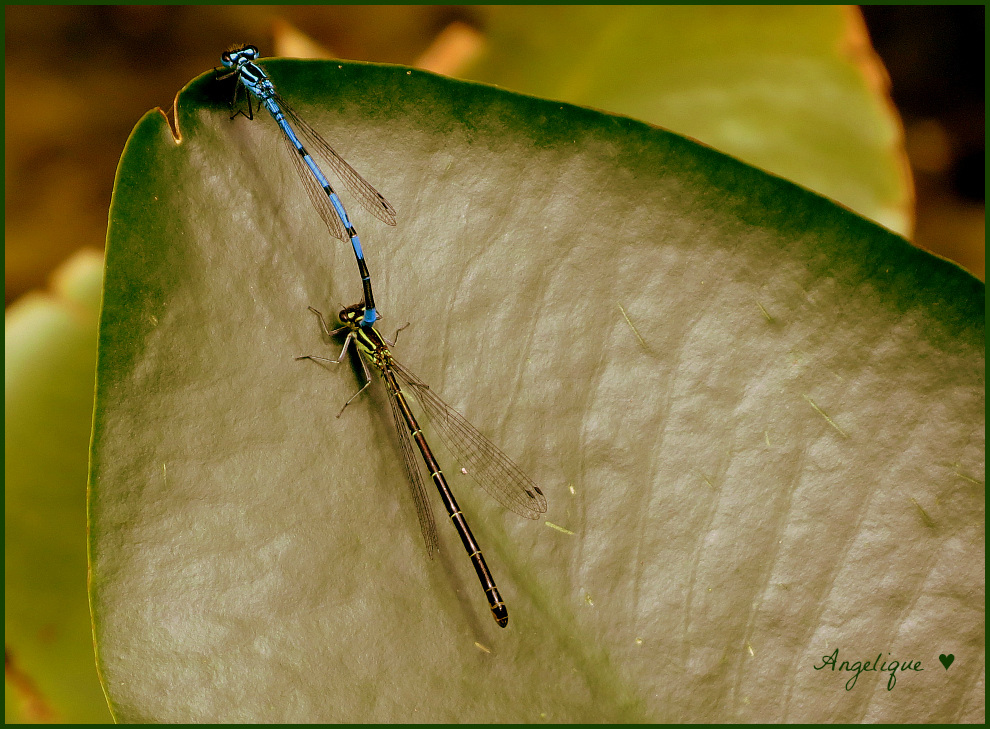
[(491, 468)]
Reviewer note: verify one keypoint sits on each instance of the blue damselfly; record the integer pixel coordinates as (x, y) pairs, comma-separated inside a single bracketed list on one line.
[(259, 86)]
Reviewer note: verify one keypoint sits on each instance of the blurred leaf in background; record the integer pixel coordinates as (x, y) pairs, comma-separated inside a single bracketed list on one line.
[(797, 91), (50, 363), (937, 56)]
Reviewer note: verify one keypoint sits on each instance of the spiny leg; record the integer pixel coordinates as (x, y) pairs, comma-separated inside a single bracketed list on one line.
[(367, 381), (347, 343), (343, 351), (237, 91), (325, 328), (395, 337)]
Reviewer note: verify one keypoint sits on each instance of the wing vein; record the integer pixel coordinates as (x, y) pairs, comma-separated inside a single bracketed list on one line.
[(372, 200), (427, 524), (485, 463)]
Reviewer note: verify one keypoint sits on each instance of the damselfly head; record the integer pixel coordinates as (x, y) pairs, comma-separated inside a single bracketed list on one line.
[(238, 55), (351, 314)]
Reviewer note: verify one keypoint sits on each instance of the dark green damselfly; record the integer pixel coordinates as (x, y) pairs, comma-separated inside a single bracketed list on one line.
[(491, 468)]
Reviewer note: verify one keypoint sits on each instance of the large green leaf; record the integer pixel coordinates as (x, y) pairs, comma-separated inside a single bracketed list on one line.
[(795, 90), (772, 449), (50, 360)]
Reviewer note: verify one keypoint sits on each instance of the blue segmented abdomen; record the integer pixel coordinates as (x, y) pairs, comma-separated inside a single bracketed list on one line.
[(356, 244), (258, 84), (339, 207)]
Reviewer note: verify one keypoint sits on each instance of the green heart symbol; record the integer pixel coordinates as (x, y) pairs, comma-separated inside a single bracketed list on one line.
[(947, 660)]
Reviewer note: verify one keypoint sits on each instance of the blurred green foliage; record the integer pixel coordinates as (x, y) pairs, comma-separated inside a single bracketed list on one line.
[(50, 363), (795, 90)]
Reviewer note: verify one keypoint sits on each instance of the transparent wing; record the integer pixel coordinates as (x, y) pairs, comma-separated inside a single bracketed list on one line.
[(484, 462), (317, 194), (372, 200), (423, 510)]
